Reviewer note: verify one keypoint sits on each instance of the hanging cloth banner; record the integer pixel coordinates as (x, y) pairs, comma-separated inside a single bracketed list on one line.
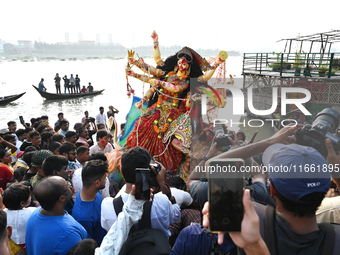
[(131, 118)]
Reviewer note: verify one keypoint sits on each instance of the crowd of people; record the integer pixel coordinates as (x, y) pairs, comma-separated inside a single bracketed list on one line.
[(68, 193), (59, 197), (72, 85)]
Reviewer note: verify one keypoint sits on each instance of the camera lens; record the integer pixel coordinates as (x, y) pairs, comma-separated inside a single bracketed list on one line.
[(328, 118), (323, 126)]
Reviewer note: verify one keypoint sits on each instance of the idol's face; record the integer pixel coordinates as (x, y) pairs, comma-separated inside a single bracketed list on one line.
[(182, 64)]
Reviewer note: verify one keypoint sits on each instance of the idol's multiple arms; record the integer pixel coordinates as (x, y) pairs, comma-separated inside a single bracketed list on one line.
[(156, 52), (222, 56)]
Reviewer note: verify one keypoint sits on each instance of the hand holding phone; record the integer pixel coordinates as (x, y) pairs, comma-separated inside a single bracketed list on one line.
[(226, 185), (142, 183), (250, 228), (21, 119)]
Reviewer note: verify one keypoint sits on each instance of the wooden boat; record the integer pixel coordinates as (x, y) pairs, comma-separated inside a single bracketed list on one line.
[(66, 96), (8, 99)]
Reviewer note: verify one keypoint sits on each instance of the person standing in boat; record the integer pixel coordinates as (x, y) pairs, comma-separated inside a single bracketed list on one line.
[(66, 84), (90, 87), (57, 83), (73, 84), (41, 85), (77, 84)]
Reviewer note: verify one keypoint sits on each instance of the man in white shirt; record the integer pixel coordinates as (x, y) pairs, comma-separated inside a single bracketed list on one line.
[(178, 187), (163, 212), (21, 134), (78, 182), (73, 84), (101, 117), (103, 144)]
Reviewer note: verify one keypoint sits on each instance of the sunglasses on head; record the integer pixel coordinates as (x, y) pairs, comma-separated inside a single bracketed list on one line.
[(187, 57)]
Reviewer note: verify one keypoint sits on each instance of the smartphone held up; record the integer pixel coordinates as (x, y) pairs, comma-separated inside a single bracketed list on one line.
[(225, 192), (142, 183)]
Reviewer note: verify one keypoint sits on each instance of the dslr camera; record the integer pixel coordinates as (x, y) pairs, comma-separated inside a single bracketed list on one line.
[(324, 125), (91, 119), (220, 137)]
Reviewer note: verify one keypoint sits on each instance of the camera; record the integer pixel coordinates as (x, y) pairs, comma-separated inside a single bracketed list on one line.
[(323, 127), (231, 134), (91, 119), (156, 166), (220, 137)]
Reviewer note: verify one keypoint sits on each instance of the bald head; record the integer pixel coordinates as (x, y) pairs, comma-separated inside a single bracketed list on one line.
[(48, 191)]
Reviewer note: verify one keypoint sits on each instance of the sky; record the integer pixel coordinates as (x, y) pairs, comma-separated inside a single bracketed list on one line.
[(245, 26)]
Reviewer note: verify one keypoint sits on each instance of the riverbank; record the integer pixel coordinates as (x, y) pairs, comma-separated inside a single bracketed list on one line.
[(18, 76)]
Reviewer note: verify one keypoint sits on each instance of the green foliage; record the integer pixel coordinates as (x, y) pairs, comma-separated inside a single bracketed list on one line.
[(299, 62), (323, 68), (277, 65), (336, 63)]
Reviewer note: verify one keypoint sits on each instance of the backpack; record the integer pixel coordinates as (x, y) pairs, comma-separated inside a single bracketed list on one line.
[(143, 239), (266, 213)]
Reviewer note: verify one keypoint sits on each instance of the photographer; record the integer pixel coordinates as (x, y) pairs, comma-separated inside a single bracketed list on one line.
[(324, 126), (197, 183), (297, 198), (202, 150), (329, 208), (224, 138), (163, 213)]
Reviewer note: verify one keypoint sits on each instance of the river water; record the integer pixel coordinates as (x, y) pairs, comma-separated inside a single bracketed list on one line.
[(17, 77)]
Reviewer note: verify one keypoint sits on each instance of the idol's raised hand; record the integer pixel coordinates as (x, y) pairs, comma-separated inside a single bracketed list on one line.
[(154, 36), (129, 72)]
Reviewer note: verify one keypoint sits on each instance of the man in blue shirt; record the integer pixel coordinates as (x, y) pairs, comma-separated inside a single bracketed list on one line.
[(57, 165), (50, 229), (41, 85), (87, 207), (77, 84), (64, 125)]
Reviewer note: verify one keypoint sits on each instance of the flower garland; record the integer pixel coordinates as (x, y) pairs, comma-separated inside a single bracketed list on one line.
[(183, 77), (157, 129), (175, 101)]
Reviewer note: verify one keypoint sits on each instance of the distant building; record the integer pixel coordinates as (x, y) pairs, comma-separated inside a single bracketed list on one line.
[(2, 46), (87, 43), (67, 38), (66, 43), (25, 46), (112, 44)]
